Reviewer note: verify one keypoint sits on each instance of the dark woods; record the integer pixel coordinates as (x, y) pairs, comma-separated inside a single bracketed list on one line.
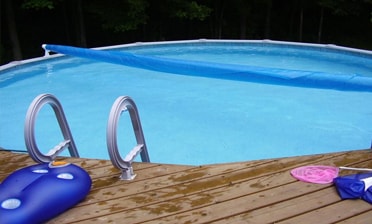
[(26, 24)]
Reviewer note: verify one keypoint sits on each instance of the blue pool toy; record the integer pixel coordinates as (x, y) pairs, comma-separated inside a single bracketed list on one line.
[(355, 186), (37, 193)]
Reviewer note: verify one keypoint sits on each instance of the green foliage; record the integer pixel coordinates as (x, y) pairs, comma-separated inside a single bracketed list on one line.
[(343, 7), (126, 15), (191, 10), (346, 7), (38, 4), (369, 2)]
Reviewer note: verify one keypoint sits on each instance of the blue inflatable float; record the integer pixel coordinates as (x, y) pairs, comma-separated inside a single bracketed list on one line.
[(37, 193)]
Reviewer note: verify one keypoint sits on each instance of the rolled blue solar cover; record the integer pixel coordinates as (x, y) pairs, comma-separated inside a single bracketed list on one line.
[(258, 74)]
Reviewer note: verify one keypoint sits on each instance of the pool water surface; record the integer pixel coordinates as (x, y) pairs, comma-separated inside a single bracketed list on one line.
[(190, 119)]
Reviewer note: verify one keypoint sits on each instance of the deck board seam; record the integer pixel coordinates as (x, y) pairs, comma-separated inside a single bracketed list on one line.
[(318, 208), (234, 198), (348, 218), (193, 194)]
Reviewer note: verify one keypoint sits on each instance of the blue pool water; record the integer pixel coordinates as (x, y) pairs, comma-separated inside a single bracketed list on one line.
[(192, 119)]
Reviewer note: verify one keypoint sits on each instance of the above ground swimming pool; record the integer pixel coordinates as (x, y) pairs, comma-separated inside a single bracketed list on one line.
[(200, 118)]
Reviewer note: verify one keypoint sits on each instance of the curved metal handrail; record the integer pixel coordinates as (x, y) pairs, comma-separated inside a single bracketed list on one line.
[(121, 104), (29, 130)]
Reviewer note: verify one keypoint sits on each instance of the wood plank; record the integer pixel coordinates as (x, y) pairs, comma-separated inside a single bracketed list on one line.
[(359, 219), (200, 186), (161, 187), (332, 213), (283, 209), (212, 206), (13, 161), (259, 191)]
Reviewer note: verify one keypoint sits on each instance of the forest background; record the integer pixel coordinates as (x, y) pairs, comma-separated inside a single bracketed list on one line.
[(27, 24)]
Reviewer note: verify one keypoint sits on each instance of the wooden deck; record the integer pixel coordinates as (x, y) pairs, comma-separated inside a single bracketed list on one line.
[(246, 192)]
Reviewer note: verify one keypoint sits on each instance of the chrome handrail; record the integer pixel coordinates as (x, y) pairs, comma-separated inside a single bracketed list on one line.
[(125, 103), (29, 130)]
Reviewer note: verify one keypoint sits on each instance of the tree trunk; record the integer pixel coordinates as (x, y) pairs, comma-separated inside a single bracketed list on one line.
[(320, 30), (12, 29), (301, 23), (244, 10), (268, 20), (66, 14), (243, 25), (81, 24), (218, 18), (293, 20)]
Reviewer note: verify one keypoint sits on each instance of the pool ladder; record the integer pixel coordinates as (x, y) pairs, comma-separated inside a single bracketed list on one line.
[(122, 103), (29, 130)]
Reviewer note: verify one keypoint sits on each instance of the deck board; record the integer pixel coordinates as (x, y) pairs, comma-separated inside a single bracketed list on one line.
[(359, 219), (261, 191)]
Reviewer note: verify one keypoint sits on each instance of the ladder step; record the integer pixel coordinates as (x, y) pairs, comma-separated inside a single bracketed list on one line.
[(133, 153), (58, 148)]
